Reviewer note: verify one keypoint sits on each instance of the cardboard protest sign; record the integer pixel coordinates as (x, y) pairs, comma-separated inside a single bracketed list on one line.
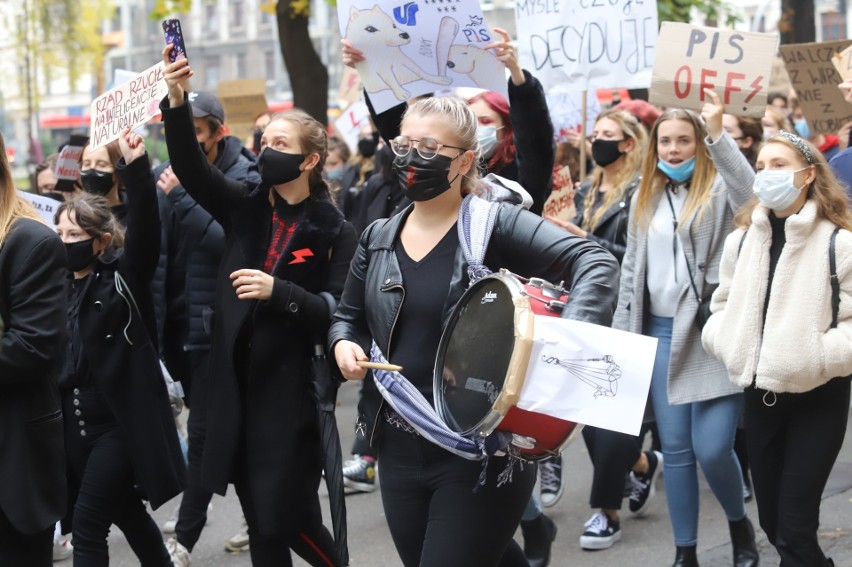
[(44, 206), (815, 79), (560, 204), (68, 162), (418, 47), (350, 86), (576, 45), (735, 64), (843, 63), (243, 100), (127, 105), (566, 112), (350, 122)]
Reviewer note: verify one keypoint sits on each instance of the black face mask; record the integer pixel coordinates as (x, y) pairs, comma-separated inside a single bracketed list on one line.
[(604, 152), (96, 182), (367, 147), (80, 254), (423, 179), (277, 167)]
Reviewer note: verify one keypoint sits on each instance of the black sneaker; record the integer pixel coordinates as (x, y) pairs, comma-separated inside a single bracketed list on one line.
[(550, 479), (643, 483), (601, 532)]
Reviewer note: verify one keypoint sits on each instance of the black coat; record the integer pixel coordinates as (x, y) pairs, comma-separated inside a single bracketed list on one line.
[(262, 418), (521, 242), (117, 326), (611, 231), (33, 267)]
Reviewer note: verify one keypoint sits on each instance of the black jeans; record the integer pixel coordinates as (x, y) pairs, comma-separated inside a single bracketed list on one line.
[(612, 454), (106, 495), (20, 550), (193, 507), (438, 515), (792, 447)]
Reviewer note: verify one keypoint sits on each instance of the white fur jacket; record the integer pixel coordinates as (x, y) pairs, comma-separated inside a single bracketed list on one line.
[(796, 350)]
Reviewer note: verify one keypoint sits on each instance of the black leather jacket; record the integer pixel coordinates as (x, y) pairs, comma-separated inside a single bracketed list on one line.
[(521, 242), (611, 231)]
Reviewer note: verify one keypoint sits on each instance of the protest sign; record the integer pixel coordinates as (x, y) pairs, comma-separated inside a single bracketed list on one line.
[(566, 112), (577, 45), (68, 162), (560, 203), (843, 63), (735, 64), (815, 79), (420, 47), (44, 206), (243, 100), (127, 105), (350, 122), (350, 87)]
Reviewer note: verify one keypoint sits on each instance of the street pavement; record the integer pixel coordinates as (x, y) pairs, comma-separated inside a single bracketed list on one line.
[(645, 542)]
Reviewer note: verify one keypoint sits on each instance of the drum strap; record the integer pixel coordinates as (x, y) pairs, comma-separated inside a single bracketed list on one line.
[(476, 222), (408, 402)]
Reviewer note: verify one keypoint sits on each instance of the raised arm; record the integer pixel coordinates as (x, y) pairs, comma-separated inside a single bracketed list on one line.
[(727, 157)]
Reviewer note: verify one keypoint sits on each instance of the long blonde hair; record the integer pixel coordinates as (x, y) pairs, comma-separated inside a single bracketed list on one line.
[(654, 181), (632, 129), (830, 198), (12, 206)]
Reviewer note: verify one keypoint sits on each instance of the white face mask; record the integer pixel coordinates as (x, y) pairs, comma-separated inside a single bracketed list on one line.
[(776, 188), (487, 136)]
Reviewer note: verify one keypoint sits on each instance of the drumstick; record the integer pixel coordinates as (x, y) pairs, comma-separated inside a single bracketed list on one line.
[(378, 366)]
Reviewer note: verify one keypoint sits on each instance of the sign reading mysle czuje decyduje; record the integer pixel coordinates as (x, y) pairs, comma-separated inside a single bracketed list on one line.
[(128, 105), (416, 47), (577, 45), (734, 64)]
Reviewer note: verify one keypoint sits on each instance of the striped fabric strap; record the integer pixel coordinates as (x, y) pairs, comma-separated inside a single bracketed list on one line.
[(476, 222)]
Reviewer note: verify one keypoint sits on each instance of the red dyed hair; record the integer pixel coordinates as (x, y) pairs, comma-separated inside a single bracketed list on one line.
[(505, 153)]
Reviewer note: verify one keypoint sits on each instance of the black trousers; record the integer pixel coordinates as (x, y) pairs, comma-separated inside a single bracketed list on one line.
[(20, 550), (313, 542), (193, 507), (612, 454), (436, 514), (792, 447), (106, 495)]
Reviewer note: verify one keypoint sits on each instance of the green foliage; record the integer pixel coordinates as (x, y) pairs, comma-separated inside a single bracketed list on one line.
[(165, 8), (679, 10)]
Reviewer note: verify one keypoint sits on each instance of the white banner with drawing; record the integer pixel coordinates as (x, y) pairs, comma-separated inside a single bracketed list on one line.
[(416, 47), (577, 45), (589, 374)]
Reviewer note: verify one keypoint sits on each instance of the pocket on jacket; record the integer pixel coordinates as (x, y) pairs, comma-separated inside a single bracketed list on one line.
[(46, 419)]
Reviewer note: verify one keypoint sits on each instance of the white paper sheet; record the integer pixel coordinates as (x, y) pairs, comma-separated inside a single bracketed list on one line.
[(589, 374)]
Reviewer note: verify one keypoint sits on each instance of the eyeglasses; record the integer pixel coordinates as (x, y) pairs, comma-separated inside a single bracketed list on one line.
[(427, 148)]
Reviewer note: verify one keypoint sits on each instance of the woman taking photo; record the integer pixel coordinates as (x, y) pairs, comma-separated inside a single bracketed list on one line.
[(32, 335), (603, 206), (406, 277), (780, 325), (119, 428), (286, 242), (692, 181)]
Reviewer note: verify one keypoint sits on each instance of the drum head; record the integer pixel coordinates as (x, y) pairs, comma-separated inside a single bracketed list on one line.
[(474, 354)]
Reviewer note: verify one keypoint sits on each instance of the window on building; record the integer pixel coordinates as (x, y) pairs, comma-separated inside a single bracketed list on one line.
[(210, 17), (242, 66), (269, 67), (214, 72), (833, 25), (238, 8)]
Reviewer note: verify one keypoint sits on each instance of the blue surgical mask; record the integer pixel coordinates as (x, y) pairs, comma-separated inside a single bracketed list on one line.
[(677, 173), (335, 174), (776, 188), (487, 136), (802, 128)]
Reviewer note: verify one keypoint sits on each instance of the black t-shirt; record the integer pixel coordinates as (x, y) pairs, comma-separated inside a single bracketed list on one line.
[(417, 333), (779, 239)]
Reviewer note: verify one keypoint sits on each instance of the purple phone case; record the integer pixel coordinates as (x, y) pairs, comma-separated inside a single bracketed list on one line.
[(174, 36)]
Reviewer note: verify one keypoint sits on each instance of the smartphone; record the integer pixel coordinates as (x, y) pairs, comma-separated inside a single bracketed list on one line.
[(174, 37)]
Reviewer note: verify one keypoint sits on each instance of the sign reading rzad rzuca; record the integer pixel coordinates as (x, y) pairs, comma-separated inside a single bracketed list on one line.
[(734, 64), (128, 105)]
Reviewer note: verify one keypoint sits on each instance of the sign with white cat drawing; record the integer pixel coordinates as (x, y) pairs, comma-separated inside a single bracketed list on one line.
[(414, 47)]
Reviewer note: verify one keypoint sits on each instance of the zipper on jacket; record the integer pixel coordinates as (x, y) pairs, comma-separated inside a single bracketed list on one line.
[(761, 324), (390, 338)]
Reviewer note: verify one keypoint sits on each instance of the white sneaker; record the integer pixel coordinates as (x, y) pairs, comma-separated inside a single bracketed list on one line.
[(178, 553), (62, 549), (239, 541), (170, 524)]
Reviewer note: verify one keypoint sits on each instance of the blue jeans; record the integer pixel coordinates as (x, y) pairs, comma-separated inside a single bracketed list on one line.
[(701, 432)]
